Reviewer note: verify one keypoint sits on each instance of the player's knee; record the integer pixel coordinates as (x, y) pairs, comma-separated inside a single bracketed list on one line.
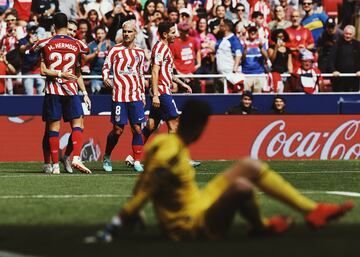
[(250, 168), (242, 187), (118, 130)]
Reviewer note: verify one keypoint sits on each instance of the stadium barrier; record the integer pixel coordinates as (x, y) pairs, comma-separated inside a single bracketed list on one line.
[(189, 76), (267, 137)]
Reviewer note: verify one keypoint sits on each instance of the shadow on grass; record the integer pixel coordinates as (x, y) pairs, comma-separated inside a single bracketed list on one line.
[(335, 240)]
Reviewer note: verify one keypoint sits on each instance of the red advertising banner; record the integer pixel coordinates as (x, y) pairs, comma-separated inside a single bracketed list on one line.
[(266, 137)]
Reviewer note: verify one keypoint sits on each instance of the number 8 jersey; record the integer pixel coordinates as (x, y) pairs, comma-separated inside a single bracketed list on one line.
[(61, 53)]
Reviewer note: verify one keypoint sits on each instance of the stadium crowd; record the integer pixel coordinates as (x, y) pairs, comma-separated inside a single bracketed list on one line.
[(232, 37)]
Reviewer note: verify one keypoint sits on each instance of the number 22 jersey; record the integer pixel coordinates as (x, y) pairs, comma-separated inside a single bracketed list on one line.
[(61, 53)]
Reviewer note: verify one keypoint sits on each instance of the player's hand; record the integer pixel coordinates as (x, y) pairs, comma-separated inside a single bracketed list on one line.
[(188, 88), (336, 74), (358, 74), (69, 76), (156, 101), (87, 101), (107, 83), (144, 102)]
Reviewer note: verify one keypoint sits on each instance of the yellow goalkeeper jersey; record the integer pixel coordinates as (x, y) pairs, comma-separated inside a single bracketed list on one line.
[(168, 181)]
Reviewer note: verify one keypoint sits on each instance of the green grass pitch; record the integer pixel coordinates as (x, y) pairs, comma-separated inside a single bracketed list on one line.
[(49, 215)]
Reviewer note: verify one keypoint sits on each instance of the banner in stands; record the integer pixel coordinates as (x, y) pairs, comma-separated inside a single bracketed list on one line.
[(266, 137)]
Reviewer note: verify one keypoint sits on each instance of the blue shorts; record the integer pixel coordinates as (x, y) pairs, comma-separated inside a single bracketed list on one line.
[(55, 106), (121, 112), (167, 110)]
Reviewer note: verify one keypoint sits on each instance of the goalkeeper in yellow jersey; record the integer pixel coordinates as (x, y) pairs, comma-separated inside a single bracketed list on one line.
[(184, 211)]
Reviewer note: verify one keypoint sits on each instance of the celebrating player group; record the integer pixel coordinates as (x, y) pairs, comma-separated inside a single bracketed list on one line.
[(61, 58)]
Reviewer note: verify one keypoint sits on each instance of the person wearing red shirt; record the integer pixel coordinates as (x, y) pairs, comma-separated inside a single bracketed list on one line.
[(186, 51), (299, 38)]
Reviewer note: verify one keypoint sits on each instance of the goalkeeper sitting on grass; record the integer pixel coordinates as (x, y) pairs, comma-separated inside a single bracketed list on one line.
[(186, 212)]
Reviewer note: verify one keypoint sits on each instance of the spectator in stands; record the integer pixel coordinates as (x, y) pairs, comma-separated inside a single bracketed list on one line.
[(23, 8), (228, 9), (246, 12), (288, 9), (93, 18), (228, 50), (84, 31), (99, 49), (207, 49), (326, 42), (299, 38), (241, 15), (45, 9), (152, 29), (160, 6), (263, 7), (69, 8), (253, 60), (181, 4), (278, 105), (220, 13), (279, 53), (186, 54), (345, 58), (6, 68), (10, 18), (118, 16), (31, 61), (315, 22), (185, 15), (173, 15), (100, 6), (245, 107), (279, 22), (306, 78), (263, 29), (149, 9)]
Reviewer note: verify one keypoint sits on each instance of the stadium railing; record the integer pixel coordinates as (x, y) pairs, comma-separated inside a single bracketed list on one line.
[(200, 76)]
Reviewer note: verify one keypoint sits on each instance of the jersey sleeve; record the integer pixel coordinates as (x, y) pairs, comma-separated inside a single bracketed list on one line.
[(107, 64), (309, 37), (236, 47), (157, 57), (84, 48)]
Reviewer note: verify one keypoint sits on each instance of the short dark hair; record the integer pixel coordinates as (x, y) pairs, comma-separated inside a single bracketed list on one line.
[(99, 27), (195, 113), (257, 14), (230, 25), (164, 27), (60, 20), (73, 22)]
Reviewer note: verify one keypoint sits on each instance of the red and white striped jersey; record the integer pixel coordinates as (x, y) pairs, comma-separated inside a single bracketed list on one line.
[(61, 53), (161, 56), (127, 65)]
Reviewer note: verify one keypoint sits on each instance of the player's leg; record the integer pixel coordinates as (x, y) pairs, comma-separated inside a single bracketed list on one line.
[(54, 128), (47, 167), (119, 119), (73, 112), (51, 115), (136, 116), (273, 184)]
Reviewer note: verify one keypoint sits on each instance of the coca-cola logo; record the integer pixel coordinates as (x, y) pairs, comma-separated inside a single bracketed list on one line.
[(275, 139)]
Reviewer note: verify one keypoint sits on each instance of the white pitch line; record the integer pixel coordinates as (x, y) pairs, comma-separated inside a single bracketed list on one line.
[(12, 254), (136, 174), (62, 196), (340, 193)]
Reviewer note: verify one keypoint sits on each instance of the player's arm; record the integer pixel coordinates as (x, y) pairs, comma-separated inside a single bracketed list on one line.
[(106, 69), (154, 85), (80, 82), (44, 71), (183, 84)]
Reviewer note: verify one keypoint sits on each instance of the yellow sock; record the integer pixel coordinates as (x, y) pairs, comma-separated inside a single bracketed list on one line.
[(275, 185)]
